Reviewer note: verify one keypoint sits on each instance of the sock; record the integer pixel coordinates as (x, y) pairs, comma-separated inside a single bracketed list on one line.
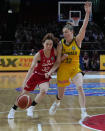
[(15, 107), (83, 110), (33, 103), (57, 97)]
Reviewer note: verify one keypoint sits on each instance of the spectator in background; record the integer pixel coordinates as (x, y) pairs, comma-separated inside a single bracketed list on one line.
[(32, 52), (95, 61), (86, 61)]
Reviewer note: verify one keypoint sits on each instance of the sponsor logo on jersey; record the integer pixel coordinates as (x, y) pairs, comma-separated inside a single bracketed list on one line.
[(73, 48), (52, 58)]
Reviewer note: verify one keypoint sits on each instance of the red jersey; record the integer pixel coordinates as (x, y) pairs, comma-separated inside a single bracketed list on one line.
[(45, 64)]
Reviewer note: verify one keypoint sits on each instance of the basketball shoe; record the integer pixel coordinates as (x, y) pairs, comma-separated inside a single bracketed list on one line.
[(53, 108), (11, 114), (84, 116), (30, 111)]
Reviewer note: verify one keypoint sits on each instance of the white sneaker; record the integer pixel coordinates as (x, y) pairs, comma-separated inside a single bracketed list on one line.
[(84, 116), (30, 111), (53, 108), (11, 114)]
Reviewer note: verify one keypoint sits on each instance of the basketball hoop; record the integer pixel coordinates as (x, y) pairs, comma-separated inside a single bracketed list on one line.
[(75, 20)]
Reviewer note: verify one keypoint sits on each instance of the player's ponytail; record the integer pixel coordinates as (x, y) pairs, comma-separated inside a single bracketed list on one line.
[(69, 26)]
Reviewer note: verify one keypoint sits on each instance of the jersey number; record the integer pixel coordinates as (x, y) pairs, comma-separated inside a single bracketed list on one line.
[(68, 60)]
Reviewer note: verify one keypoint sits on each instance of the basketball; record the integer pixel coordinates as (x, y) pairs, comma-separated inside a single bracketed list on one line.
[(24, 101)]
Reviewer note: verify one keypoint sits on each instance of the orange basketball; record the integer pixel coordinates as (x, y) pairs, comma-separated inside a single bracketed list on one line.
[(24, 101)]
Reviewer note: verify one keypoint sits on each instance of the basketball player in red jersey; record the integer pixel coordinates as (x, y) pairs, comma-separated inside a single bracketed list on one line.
[(42, 63)]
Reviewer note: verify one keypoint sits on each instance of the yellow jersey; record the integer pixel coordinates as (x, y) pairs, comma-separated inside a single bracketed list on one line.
[(70, 66), (73, 52)]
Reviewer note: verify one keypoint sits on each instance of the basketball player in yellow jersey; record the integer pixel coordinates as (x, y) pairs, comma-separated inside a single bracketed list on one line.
[(70, 66), (69, 69)]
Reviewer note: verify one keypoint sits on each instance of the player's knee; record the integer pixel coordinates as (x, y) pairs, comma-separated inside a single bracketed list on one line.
[(80, 89), (78, 80), (79, 84), (43, 92)]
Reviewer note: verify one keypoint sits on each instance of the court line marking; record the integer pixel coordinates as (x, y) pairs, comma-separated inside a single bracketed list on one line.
[(90, 127), (55, 123), (75, 123), (59, 109), (87, 76), (39, 127), (73, 108)]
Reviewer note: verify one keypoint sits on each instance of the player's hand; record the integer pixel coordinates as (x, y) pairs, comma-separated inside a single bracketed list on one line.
[(47, 75), (64, 57), (88, 7)]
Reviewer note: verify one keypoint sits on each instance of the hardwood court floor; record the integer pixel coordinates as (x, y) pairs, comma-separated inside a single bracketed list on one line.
[(66, 117)]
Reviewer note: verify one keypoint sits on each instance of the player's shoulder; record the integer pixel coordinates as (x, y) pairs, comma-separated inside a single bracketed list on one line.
[(62, 41), (40, 51), (37, 56)]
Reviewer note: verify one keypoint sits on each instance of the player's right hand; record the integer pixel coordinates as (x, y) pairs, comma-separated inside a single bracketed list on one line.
[(64, 57), (88, 7)]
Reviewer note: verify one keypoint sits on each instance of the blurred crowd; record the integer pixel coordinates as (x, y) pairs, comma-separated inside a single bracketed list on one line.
[(27, 40)]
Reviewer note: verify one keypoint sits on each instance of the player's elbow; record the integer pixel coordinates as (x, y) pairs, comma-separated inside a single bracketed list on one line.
[(81, 35)]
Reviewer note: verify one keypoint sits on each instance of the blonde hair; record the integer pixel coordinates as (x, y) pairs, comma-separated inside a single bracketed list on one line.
[(69, 26)]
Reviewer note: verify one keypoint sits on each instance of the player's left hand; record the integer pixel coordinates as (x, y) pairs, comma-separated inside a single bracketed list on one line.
[(47, 75), (88, 7)]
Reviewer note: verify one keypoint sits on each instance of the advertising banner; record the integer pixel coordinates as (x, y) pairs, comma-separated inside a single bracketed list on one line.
[(15, 63), (102, 62)]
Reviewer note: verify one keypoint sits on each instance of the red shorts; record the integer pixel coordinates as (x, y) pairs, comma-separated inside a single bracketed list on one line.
[(35, 80)]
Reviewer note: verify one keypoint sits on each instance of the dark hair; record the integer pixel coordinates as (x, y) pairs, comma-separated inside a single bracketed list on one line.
[(69, 26), (50, 36)]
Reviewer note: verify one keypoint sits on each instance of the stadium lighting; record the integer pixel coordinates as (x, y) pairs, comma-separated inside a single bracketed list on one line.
[(10, 11)]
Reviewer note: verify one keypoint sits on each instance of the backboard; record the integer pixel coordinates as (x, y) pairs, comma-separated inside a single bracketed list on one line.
[(67, 9)]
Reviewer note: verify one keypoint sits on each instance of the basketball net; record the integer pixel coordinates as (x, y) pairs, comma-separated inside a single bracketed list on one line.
[(75, 21)]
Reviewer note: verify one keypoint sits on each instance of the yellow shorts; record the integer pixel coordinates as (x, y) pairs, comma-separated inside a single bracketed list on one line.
[(65, 73)]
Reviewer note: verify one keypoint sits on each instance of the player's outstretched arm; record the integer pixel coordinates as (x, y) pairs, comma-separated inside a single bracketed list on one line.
[(82, 31)]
